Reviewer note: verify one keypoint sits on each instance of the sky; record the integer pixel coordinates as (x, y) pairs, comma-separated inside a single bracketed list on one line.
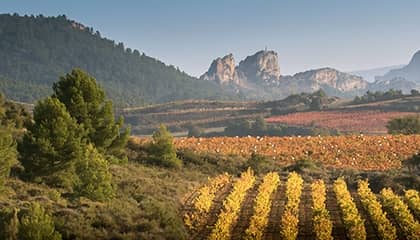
[(307, 34)]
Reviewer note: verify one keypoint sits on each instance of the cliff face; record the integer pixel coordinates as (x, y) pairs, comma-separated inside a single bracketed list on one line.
[(222, 70), (262, 66), (332, 78)]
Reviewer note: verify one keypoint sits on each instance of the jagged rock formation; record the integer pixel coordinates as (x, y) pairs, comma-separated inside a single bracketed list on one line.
[(222, 70), (258, 76), (262, 66)]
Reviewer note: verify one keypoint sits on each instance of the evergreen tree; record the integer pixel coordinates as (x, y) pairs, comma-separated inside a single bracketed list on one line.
[(94, 178), (52, 143), (7, 154), (85, 101), (37, 224), (162, 150)]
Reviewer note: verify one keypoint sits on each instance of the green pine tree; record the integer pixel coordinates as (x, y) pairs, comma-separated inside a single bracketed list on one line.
[(37, 224), (85, 101), (162, 150), (94, 178), (52, 144)]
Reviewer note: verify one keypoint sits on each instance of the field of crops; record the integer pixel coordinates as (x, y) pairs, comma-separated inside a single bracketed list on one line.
[(372, 122), (354, 151), (275, 207)]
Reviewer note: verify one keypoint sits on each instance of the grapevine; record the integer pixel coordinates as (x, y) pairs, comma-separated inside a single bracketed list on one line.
[(413, 199), (351, 217), (401, 213), (290, 218), (204, 200), (354, 151), (384, 227), (262, 206), (321, 219), (232, 206)]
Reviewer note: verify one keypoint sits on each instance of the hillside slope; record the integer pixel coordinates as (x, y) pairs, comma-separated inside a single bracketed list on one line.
[(35, 51)]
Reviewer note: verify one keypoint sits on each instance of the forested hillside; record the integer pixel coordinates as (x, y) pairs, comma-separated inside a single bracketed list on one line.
[(35, 51)]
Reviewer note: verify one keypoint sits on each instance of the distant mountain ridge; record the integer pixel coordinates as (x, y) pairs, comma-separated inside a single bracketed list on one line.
[(35, 51), (410, 72), (370, 74)]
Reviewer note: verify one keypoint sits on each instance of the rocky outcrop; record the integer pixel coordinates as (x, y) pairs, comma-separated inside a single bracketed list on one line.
[(328, 77), (222, 70), (410, 72), (262, 66), (259, 75)]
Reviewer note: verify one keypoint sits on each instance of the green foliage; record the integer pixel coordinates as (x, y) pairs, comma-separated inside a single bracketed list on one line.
[(13, 114), (94, 178), (37, 224), (7, 154), (35, 50), (52, 143), (9, 224), (378, 96), (85, 101), (259, 164), (162, 151), (404, 125)]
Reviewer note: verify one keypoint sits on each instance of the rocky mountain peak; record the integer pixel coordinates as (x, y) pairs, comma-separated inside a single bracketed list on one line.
[(263, 65), (222, 70)]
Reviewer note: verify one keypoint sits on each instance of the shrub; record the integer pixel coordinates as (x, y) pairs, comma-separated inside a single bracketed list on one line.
[(37, 224), (162, 151), (94, 178), (404, 125)]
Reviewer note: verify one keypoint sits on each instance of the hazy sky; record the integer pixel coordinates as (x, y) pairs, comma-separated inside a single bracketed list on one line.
[(307, 34)]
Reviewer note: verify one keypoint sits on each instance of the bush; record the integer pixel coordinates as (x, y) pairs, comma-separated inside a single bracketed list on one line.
[(94, 178), (404, 125), (259, 164), (37, 224), (162, 151)]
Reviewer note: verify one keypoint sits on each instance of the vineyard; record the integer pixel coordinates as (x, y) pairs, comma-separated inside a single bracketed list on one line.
[(353, 151), (372, 122), (288, 207)]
